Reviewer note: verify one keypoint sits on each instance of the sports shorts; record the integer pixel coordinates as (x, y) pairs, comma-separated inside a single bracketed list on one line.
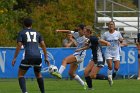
[(99, 63), (36, 63), (114, 58), (79, 58)]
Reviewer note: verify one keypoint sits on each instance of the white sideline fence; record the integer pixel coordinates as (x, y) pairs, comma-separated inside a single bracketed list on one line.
[(117, 19), (128, 24)]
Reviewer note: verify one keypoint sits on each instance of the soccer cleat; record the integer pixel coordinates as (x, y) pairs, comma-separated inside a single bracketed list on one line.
[(138, 78), (110, 81), (114, 74), (90, 88), (56, 74), (85, 85)]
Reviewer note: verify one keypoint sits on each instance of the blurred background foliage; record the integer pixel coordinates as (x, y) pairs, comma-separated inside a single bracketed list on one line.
[(48, 15)]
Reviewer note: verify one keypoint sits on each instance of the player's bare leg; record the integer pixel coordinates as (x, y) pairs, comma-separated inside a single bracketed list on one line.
[(94, 72), (73, 68), (86, 74), (116, 67), (68, 60), (21, 80)]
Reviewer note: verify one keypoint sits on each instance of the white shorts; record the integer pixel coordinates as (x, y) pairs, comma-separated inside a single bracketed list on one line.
[(112, 57), (79, 58), (115, 55)]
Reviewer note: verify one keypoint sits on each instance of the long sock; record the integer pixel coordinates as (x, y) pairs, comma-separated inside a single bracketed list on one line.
[(115, 73), (62, 68), (89, 81), (40, 82), (101, 77), (110, 77), (109, 72), (77, 78), (22, 84)]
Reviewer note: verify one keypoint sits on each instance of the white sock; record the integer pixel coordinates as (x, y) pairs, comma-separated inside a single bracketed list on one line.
[(109, 72), (110, 77), (61, 69), (77, 78)]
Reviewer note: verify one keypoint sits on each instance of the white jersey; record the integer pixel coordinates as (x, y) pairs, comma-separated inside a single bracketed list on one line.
[(114, 49), (80, 43)]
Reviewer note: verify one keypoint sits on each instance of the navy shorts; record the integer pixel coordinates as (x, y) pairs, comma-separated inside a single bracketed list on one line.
[(36, 63)]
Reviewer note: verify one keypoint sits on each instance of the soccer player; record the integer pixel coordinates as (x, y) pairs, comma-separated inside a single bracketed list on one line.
[(76, 57), (97, 61), (112, 53), (30, 39)]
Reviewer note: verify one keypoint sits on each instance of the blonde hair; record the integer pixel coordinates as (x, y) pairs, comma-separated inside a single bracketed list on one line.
[(90, 29)]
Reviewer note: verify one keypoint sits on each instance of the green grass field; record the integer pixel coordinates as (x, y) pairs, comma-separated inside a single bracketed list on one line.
[(71, 86)]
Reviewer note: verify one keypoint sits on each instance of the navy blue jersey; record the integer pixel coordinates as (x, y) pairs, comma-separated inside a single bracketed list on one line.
[(96, 49), (30, 40)]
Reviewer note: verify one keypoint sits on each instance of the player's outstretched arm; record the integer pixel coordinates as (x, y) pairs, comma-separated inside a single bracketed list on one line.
[(103, 42), (83, 48), (43, 46), (64, 31), (18, 47)]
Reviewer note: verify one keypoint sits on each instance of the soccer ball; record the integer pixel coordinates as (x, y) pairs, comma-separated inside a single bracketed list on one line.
[(53, 68)]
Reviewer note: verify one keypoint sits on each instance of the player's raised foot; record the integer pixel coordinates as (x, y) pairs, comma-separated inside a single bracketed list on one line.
[(110, 81), (114, 74), (85, 85), (57, 75)]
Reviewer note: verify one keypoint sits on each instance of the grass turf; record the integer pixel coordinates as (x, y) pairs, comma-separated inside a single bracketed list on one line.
[(71, 86)]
